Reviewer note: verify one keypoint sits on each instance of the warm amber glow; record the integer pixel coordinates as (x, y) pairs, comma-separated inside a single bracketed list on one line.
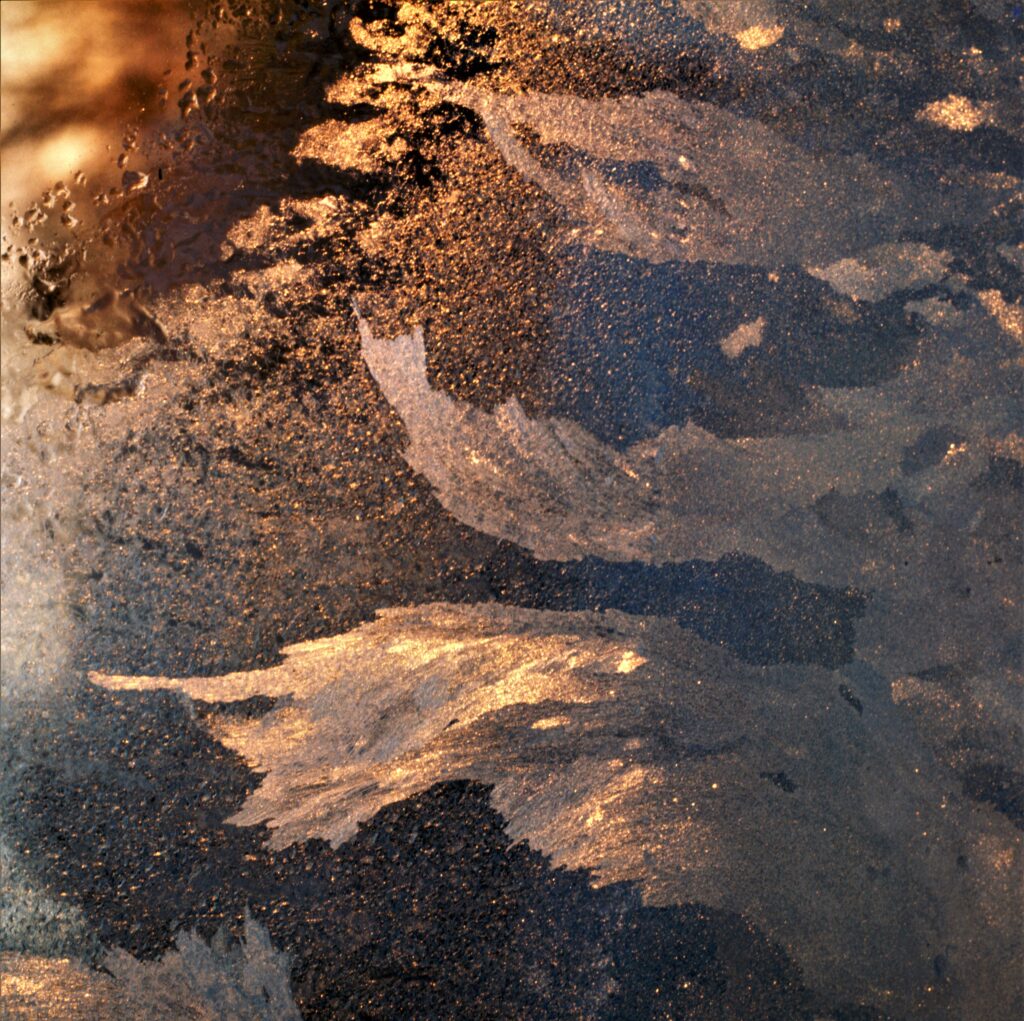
[(757, 37), (73, 75), (38, 987), (958, 113), (1009, 314)]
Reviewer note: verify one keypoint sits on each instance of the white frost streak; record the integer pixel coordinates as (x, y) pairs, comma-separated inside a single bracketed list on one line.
[(884, 269), (550, 486), (703, 779), (838, 508), (740, 193)]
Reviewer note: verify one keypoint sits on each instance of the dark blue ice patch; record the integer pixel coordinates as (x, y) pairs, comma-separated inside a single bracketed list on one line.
[(637, 347), (570, 161), (642, 174), (764, 616)]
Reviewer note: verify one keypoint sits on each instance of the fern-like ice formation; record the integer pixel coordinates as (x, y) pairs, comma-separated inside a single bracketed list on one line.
[(218, 981), (836, 507), (246, 980), (630, 747)]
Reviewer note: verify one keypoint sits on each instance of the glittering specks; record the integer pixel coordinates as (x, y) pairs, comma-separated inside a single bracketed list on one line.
[(958, 113)]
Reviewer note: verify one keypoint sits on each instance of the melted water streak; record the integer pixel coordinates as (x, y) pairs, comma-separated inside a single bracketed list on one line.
[(631, 747), (726, 188)]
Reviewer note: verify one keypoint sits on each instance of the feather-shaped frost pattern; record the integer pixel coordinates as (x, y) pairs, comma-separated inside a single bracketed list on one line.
[(247, 980), (892, 485), (551, 486), (627, 746), (724, 188)]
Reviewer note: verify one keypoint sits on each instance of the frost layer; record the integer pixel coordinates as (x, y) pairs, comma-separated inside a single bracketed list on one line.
[(662, 178), (899, 500), (630, 747), (32, 922)]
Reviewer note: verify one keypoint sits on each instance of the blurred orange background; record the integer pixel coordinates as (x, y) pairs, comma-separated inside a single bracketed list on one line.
[(73, 75)]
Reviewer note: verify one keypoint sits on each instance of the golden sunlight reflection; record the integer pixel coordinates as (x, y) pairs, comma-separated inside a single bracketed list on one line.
[(689, 772), (757, 37), (667, 337), (958, 113), (39, 987)]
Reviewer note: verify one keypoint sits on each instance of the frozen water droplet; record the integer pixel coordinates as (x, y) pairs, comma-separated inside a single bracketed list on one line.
[(132, 180)]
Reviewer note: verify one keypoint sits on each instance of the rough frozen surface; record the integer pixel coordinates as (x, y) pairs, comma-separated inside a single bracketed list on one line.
[(708, 313), (897, 482), (728, 188), (627, 746), (31, 922)]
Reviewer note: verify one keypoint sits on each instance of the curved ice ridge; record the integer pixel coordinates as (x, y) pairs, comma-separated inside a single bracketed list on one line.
[(895, 503), (730, 189)]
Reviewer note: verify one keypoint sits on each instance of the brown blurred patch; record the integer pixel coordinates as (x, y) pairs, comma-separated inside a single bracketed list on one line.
[(74, 74)]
